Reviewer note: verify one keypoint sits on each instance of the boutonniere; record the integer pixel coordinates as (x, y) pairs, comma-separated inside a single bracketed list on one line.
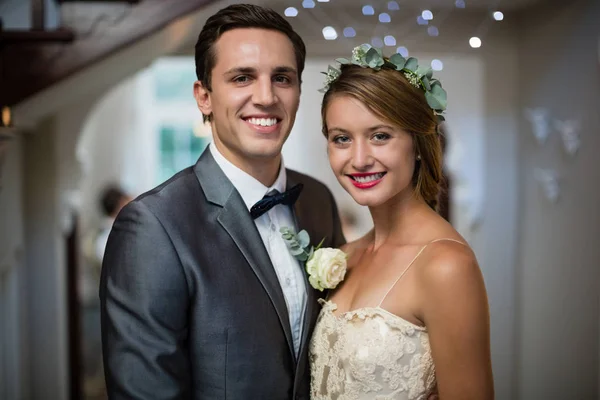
[(326, 267)]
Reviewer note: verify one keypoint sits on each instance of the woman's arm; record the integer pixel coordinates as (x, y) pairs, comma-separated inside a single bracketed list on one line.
[(456, 314)]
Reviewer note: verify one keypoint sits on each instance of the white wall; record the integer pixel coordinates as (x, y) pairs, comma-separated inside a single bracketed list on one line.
[(45, 266), (559, 255), (116, 144), (13, 305)]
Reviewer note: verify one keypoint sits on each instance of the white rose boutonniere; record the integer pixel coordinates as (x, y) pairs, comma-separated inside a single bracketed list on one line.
[(326, 267)]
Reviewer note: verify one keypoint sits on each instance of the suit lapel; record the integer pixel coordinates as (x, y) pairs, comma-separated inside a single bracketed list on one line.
[(235, 219), (301, 220)]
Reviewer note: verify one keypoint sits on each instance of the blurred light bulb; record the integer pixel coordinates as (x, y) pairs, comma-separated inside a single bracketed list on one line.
[(308, 4), (377, 42), (385, 18), (329, 33), (403, 51), (291, 12), (368, 10), (427, 15), (349, 32), (475, 42)]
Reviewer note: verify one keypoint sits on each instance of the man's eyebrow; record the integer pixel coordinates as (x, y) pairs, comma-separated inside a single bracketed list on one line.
[(240, 70), (250, 70), (285, 69)]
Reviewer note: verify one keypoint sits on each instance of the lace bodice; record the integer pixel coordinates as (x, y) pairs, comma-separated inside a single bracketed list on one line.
[(369, 353)]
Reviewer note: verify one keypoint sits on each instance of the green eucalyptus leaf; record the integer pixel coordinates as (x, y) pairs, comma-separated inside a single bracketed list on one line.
[(302, 257), (424, 71), (426, 84), (296, 252), (412, 64), (398, 61), (436, 97), (285, 229), (303, 238), (287, 236), (310, 253), (374, 58)]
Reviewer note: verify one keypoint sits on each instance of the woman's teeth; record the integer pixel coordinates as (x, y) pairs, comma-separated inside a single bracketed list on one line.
[(369, 178)]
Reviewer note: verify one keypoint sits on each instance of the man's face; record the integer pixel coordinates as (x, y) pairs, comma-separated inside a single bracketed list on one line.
[(255, 95)]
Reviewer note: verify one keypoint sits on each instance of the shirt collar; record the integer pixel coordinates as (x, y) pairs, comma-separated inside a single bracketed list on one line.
[(249, 187)]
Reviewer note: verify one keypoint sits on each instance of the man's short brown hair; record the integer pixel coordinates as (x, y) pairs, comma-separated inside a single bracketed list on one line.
[(241, 16)]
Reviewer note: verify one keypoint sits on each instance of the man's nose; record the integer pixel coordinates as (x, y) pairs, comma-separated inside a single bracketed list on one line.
[(264, 94)]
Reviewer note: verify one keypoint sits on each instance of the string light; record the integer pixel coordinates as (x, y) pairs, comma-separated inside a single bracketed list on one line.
[(385, 18), (475, 42), (433, 31), (377, 42), (291, 12), (349, 32), (403, 51), (329, 33), (437, 65), (427, 15), (422, 21), (368, 10), (308, 4)]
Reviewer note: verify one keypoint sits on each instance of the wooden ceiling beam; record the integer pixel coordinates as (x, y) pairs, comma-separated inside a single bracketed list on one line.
[(33, 60)]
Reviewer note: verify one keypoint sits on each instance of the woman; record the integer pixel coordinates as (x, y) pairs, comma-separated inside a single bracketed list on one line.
[(411, 317)]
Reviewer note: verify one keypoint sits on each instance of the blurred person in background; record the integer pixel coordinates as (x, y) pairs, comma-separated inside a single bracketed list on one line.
[(111, 200)]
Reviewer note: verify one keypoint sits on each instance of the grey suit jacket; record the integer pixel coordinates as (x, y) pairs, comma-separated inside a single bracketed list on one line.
[(191, 305)]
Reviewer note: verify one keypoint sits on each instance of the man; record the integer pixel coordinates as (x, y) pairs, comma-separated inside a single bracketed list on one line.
[(200, 297)]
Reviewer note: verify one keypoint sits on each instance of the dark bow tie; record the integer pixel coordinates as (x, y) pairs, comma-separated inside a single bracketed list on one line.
[(273, 198)]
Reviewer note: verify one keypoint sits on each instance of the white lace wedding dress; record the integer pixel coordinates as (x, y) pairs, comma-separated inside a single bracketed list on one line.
[(370, 354)]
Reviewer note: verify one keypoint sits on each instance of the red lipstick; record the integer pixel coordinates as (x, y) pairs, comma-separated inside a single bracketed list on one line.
[(362, 181)]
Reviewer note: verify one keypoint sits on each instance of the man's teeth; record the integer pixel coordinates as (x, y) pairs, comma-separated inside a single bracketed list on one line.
[(262, 121), (370, 178)]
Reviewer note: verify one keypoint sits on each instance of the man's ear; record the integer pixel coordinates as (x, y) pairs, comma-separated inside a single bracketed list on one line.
[(202, 96)]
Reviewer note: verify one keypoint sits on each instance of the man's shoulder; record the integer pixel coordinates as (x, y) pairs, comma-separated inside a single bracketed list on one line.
[(173, 191)]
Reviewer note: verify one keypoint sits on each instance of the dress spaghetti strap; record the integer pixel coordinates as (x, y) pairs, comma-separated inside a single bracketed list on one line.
[(412, 262)]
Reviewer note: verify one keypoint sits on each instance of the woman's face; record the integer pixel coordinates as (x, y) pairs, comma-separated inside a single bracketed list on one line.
[(373, 160)]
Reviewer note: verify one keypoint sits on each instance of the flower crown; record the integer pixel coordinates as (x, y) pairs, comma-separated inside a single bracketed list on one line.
[(367, 56)]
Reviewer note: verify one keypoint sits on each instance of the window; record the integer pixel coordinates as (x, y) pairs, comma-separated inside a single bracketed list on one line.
[(181, 135)]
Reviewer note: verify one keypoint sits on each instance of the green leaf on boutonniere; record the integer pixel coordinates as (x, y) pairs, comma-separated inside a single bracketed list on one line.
[(303, 238)]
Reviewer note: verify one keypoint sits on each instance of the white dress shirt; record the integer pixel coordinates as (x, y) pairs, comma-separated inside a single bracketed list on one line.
[(288, 269)]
